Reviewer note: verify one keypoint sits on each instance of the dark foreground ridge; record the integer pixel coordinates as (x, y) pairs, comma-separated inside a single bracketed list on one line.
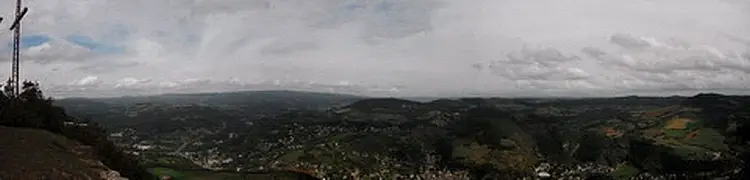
[(40, 140), (29, 153)]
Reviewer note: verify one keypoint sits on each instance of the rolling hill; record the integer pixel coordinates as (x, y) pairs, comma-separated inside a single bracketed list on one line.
[(335, 136)]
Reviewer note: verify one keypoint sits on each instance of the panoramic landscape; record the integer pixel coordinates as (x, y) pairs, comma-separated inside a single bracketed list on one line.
[(375, 89), (310, 135), (347, 137)]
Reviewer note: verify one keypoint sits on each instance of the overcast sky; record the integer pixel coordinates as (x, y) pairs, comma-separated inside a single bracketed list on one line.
[(385, 47)]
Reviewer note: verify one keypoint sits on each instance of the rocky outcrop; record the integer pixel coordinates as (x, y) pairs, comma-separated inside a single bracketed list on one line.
[(111, 175), (37, 154)]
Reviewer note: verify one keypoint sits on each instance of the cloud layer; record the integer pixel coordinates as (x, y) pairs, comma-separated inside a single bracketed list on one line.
[(387, 47)]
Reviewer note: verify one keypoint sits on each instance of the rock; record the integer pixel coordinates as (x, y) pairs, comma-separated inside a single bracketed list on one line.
[(507, 143), (111, 175)]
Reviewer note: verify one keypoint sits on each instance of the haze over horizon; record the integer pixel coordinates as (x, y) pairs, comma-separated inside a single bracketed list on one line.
[(385, 47)]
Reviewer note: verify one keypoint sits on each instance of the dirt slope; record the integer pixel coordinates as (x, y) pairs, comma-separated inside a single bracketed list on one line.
[(37, 154)]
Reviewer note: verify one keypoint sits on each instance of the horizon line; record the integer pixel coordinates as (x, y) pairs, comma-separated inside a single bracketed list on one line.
[(632, 95)]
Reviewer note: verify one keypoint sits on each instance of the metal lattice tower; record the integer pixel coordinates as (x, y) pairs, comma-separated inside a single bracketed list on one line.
[(16, 28)]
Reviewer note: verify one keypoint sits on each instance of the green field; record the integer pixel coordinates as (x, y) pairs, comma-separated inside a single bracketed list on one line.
[(293, 156), (624, 171), (673, 128), (194, 175), (675, 133), (708, 138), (175, 162), (160, 172)]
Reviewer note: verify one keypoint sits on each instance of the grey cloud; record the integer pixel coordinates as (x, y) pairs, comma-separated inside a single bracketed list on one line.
[(659, 60), (737, 39), (593, 52), (396, 19), (87, 81), (228, 6), (131, 83), (426, 46), (55, 50), (629, 41), (279, 48), (134, 86), (546, 56), (681, 81), (105, 66), (79, 86), (538, 73), (385, 18), (683, 67), (553, 86), (538, 64), (477, 66)]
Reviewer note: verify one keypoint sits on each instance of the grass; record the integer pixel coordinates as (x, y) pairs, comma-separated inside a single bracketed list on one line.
[(160, 172), (652, 132), (479, 153), (680, 127), (340, 137), (461, 151), (688, 151), (156, 160), (292, 156), (194, 175), (624, 171), (708, 138), (661, 111), (689, 115), (212, 175), (691, 133), (678, 123), (676, 134)]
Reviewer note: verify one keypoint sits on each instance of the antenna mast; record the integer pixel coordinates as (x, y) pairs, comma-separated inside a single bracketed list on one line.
[(16, 28)]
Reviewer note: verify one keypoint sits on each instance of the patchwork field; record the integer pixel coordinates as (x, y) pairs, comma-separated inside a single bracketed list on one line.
[(208, 175), (610, 132), (660, 112), (678, 123)]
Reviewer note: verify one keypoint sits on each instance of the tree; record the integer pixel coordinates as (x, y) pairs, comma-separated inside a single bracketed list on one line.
[(31, 92), (8, 88)]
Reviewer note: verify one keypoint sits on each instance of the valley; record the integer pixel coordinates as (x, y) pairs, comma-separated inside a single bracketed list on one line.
[(328, 136)]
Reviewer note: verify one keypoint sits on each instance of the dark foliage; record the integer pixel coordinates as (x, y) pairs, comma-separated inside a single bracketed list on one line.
[(591, 150), (31, 109)]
